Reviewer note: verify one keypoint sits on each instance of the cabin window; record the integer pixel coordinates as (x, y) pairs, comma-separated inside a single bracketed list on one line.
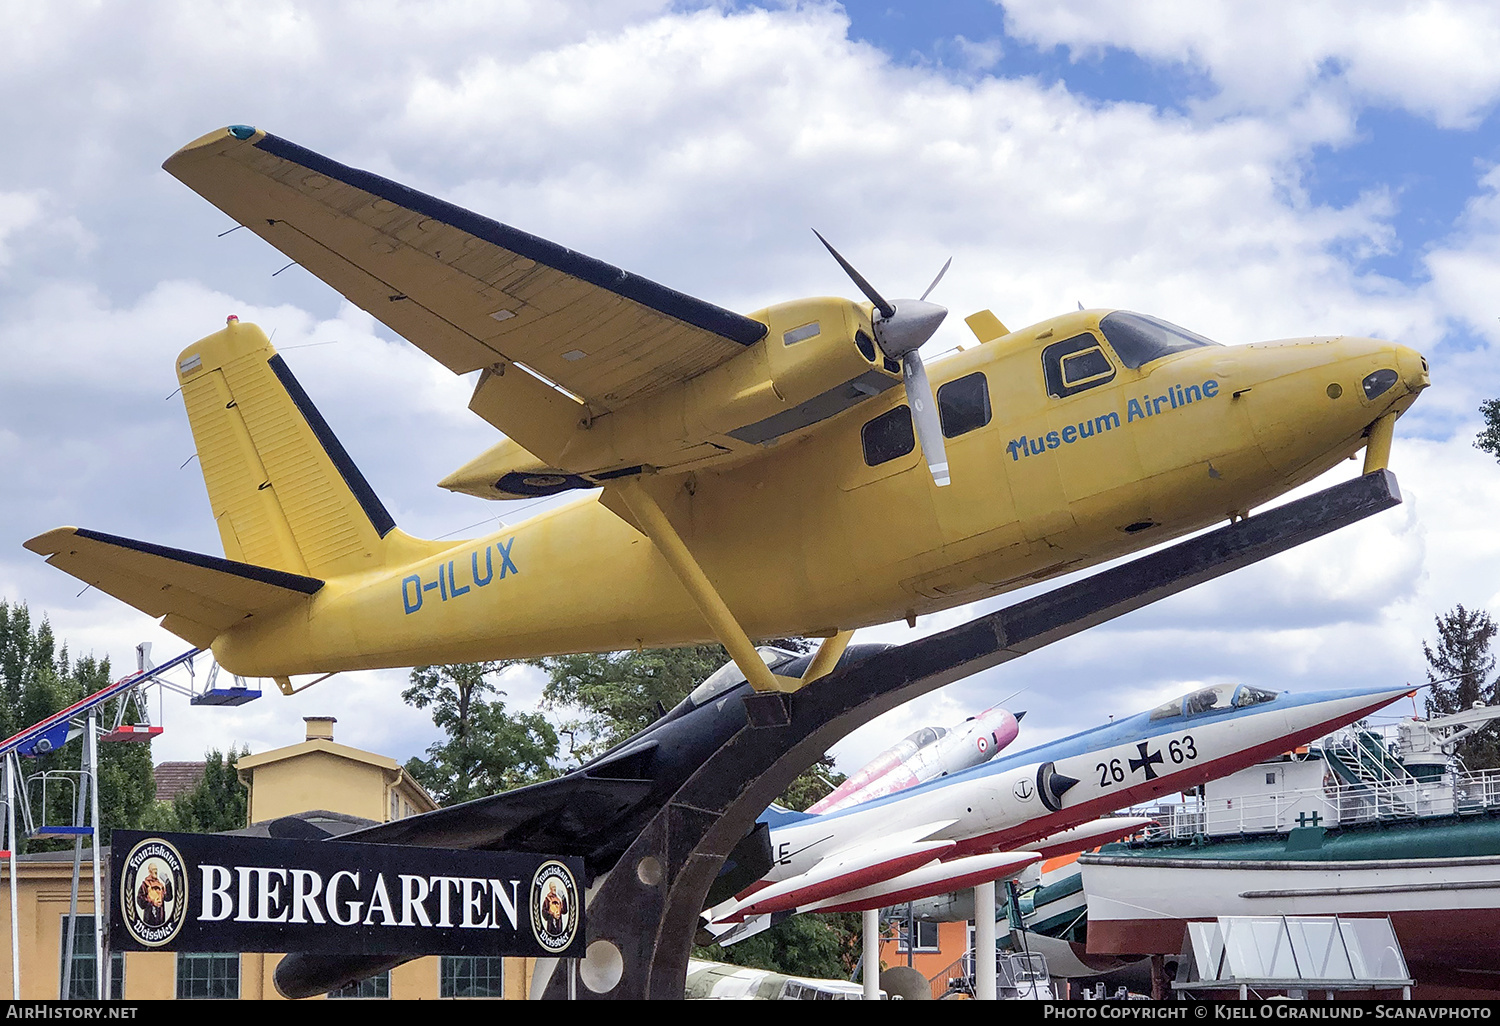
[(964, 405), (1252, 696), (1208, 700), (888, 437), (1138, 339), (1075, 364)]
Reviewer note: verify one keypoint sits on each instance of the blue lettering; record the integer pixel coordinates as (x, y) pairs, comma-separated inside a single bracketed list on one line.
[(1132, 411), (1156, 404), (406, 598), (1104, 423), (1038, 447), (1193, 393), (489, 566), (1210, 389), (506, 566), (1011, 448), (453, 588), (1069, 434), (1086, 429), (1052, 440), (442, 583)]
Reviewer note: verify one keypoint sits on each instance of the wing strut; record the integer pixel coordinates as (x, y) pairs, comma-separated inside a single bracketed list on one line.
[(654, 523)]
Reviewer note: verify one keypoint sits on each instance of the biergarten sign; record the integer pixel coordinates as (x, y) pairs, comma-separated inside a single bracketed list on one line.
[(220, 892)]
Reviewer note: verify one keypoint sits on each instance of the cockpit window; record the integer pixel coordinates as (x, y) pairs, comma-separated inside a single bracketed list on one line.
[(925, 736), (1252, 696), (1075, 364), (1199, 702), (728, 675), (1138, 339)]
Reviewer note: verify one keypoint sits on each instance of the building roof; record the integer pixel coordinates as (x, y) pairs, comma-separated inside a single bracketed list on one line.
[(173, 778)]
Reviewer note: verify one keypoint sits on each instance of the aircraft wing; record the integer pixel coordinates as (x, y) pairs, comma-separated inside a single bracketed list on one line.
[(577, 814), (469, 291)]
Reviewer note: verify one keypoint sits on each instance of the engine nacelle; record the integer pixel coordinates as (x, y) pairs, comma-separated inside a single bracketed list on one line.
[(818, 358)]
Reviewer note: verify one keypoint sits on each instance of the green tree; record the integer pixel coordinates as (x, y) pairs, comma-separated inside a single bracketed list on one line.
[(1489, 438), (822, 946), (614, 694), (36, 680), (488, 750), (1459, 667), (218, 802)]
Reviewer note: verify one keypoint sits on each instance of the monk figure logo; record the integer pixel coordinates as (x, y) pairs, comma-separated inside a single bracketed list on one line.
[(554, 906), (154, 892)]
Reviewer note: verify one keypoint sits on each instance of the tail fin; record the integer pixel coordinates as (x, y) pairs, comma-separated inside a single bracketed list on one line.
[(284, 492)]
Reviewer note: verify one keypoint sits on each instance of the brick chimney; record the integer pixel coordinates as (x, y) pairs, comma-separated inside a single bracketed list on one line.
[(319, 728)]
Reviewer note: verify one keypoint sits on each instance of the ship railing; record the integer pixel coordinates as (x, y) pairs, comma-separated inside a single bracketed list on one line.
[(1327, 806)]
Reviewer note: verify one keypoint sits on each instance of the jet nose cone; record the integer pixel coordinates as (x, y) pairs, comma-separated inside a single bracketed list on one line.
[(1412, 366)]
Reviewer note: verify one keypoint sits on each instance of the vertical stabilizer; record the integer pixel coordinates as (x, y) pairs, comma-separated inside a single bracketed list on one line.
[(284, 492)]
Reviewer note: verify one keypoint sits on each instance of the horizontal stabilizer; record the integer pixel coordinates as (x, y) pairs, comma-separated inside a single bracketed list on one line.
[(852, 868), (200, 596), (928, 881), (1090, 835)]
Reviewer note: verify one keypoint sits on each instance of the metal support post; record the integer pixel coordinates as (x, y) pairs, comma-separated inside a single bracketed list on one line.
[(654, 523), (66, 991), (871, 931), (92, 752), (11, 846), (984, 942)]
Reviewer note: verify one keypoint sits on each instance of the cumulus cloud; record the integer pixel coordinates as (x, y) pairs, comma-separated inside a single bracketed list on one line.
[(1434, 58)]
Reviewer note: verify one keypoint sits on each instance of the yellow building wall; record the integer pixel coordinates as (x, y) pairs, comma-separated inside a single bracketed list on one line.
[(319, 780)]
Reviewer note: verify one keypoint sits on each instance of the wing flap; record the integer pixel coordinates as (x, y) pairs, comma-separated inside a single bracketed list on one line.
[(201, 596), (470, 291)]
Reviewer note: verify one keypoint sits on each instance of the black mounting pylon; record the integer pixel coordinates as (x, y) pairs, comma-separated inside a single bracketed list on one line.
[(641, 920)]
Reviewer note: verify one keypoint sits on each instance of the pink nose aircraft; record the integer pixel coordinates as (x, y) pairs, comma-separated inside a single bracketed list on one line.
[(924, 755)]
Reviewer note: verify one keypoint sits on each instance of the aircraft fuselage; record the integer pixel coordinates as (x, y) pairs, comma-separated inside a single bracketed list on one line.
[(814, 538)]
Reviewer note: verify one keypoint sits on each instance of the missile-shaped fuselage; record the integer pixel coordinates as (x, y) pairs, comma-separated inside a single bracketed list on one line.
[(924, 755), (1009, 802)]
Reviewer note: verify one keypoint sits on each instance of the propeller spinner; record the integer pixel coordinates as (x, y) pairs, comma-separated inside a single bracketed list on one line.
[(901, 328)]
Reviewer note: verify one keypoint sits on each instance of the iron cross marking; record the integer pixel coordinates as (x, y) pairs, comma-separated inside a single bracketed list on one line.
[(1145, 761)]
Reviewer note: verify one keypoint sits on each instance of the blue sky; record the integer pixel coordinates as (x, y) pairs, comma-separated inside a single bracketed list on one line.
[(1249, 172)]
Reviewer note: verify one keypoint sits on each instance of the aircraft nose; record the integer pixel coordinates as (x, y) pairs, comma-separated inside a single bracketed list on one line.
[(1412, 366)]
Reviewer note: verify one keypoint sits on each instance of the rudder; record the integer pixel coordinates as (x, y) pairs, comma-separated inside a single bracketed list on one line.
[(284, 493)]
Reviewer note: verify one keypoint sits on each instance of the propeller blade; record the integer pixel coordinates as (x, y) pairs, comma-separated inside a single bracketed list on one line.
[(938, 278), (885, 308), (924, 416)]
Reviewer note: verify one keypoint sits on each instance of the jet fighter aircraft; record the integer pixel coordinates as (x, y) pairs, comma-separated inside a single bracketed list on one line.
[(925, 755), (964, 829), (779, 474)]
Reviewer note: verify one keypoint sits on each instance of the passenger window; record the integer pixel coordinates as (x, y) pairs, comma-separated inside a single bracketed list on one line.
[(1081, 368), (888, 436), (1075, 364), (964, 405)]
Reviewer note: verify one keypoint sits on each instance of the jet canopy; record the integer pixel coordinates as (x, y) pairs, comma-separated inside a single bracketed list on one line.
[(1138, 339), (1214, 699), (728, 675)]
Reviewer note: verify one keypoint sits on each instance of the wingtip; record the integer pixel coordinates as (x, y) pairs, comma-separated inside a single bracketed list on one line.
[(219, 138), (50, 542)]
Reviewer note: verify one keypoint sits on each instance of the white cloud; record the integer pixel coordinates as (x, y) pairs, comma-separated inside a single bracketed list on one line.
[(1434, 58)]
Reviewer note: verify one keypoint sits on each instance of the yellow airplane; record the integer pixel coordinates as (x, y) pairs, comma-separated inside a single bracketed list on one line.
[(782, 473)]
